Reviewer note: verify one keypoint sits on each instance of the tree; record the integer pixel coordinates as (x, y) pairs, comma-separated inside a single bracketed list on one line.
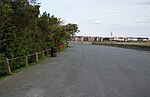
[(71, 28), (24, 31)]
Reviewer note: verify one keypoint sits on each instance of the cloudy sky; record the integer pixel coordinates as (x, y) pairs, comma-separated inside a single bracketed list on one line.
[(101, 17)]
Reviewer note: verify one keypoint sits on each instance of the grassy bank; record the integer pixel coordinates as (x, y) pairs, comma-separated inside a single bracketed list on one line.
[(33, 64), (145, 46), (125, 43), (24, 68)]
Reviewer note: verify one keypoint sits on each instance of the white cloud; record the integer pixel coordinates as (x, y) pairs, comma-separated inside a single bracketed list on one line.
[(100, 17), (96, 22), (142, 22), (66, 1)]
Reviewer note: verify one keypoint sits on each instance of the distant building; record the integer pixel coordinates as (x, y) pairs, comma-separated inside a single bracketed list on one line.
[(118, 39), (132, 39), (101, 39)]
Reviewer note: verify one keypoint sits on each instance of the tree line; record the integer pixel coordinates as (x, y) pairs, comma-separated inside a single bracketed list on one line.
[(23, 30)]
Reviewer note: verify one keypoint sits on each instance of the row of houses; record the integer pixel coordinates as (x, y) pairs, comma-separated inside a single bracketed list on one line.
[(102, 39)]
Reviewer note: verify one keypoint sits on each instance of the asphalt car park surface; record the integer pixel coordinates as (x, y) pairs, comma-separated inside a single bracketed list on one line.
[(84, 70)]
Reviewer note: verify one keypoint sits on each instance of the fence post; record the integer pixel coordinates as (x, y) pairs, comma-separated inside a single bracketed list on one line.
[(43, 54), (37, 56), (47, 52), (8, 66), (26, 61)]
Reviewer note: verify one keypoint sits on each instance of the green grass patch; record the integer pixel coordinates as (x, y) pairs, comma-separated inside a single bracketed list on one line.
[(3, 77), (135, 43), (126, 43), (32, 64)]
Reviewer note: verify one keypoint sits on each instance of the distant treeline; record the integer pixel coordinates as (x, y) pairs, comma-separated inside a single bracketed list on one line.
[(24, 31)]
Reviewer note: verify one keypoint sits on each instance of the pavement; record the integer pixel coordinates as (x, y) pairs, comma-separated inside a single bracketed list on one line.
[(84, 70)]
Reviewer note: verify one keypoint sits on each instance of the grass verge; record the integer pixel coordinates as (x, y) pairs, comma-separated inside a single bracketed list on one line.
[(127, 43), (24, 68), (32, 64)]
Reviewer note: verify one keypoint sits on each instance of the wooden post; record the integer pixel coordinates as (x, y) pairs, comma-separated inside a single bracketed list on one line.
[(26, 61), (37, 56), (43, 54), (47, 52), (8, 66)]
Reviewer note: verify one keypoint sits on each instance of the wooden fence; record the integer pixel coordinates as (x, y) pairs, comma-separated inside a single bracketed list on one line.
[(8, 67)]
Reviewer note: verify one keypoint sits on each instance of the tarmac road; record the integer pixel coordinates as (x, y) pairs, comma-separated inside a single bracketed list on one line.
[(84, 70)]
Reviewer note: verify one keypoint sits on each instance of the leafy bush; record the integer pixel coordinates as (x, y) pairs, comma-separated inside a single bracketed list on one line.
[(2, 68), (24, 31), (17, 63)]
